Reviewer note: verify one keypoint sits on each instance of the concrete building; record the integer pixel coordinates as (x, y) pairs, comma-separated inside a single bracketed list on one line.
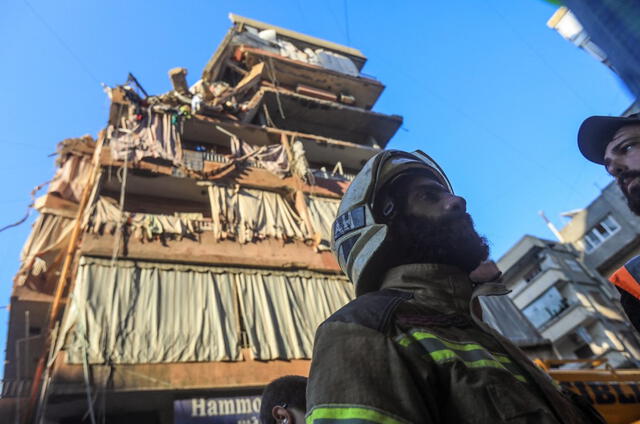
[(180, 260), (606, 234), (567, 302)]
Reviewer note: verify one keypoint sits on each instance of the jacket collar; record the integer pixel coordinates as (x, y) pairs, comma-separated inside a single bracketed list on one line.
[(444, 288)]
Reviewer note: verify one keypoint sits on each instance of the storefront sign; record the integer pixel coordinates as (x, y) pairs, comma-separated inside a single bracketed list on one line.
[(219, 410)]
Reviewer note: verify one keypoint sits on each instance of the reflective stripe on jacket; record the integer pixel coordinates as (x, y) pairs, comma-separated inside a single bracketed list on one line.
[(412, 353)]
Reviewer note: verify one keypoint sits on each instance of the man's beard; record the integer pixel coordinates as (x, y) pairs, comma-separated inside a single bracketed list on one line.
[(633, 198), (450, 240)]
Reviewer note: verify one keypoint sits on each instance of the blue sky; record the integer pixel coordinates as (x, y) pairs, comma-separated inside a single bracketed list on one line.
[(484, 87)]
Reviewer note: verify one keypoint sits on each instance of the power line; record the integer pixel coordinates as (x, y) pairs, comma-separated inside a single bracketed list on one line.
[(544, 60), (346, 21), (84, 67), (489, 131)]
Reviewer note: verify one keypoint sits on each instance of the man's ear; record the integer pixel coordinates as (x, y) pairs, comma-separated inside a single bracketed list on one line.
[(281, 415)]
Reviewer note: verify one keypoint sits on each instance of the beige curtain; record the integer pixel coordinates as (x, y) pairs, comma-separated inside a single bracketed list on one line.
[(154, 136), (47, 239), (71, 177), (135, 312), (106, 219), (282, 311), (248, 215), (323, 212), (144, 312)]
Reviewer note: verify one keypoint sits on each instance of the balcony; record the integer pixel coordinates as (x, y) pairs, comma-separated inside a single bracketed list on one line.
[(566, 322), (537, 286)]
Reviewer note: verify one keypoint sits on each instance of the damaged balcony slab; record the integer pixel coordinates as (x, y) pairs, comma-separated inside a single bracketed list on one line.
[(69, 379), (202, 129), (244, 177), (295, 112), (290, 73), (212, 70), (207, 250)]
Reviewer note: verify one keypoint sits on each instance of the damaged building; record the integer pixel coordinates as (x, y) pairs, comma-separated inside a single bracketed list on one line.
[(180, 260)]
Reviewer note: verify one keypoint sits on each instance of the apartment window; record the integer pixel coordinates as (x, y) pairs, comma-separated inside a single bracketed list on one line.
[(533, 272), (599, 233), (549, 305)]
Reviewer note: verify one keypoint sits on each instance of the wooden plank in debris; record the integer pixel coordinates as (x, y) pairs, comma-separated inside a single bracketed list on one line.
[(316, 92), (290, 73), (251, 79)]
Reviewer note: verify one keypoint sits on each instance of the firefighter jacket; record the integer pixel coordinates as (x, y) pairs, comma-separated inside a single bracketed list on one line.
[(627, 280), (412, 352)]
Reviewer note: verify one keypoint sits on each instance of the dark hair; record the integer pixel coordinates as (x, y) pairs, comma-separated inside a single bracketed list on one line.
[(289, 390)]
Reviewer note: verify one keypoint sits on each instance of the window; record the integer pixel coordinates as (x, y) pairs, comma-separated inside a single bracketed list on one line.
[(546, 307), (532, 273), (599, 233), (584, 352), (573, 265)]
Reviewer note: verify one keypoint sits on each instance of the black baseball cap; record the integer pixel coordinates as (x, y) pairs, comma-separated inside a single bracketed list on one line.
[(597, 131)]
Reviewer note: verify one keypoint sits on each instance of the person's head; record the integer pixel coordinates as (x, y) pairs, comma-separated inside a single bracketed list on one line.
[(428, 223), (615, 143), (284, 401), (401, 209)]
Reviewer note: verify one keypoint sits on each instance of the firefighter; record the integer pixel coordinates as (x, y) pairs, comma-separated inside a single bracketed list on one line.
[(412, 348), (615, 143)]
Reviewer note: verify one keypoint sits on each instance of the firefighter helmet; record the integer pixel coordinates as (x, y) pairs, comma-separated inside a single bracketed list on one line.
[(357, 240)]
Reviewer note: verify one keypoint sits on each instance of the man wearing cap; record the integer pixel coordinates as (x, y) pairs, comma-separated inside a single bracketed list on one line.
[(615, 143), (412, 347)]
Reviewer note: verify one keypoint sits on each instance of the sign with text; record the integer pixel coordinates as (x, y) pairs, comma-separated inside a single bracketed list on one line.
[(219, 410)]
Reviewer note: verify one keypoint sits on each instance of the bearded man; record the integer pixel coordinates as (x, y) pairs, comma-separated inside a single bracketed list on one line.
[(615, 143), (412, 348)]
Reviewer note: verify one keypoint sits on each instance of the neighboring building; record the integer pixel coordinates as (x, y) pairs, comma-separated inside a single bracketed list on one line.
[(504, 316), (608, 31), (568, 26), (567, 302), (606, 233), (180, 262)]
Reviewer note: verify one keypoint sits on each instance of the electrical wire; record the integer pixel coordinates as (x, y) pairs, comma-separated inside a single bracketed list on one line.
[(60, 40), (542, 59), (29, 207), (346, 21)]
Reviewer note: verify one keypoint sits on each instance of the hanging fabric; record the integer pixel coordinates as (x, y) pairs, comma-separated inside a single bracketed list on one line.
[(250, 215), (152, 136)]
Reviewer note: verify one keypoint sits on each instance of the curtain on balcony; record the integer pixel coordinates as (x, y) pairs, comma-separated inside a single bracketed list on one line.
[(283, 310), (248, 215), (144, 312), (323, 212), (141, 312)]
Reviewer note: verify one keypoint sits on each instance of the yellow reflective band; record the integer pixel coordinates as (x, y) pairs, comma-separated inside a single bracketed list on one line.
[(420, 335), (446, 355), (472, 355), (350, 413)]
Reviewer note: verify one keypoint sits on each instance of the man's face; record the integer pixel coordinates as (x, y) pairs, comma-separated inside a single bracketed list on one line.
[(433, 226), (622, 160)]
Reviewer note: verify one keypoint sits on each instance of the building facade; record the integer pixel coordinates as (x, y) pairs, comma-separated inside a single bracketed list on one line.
[(568, 302), (181, 259), (606, 234)]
